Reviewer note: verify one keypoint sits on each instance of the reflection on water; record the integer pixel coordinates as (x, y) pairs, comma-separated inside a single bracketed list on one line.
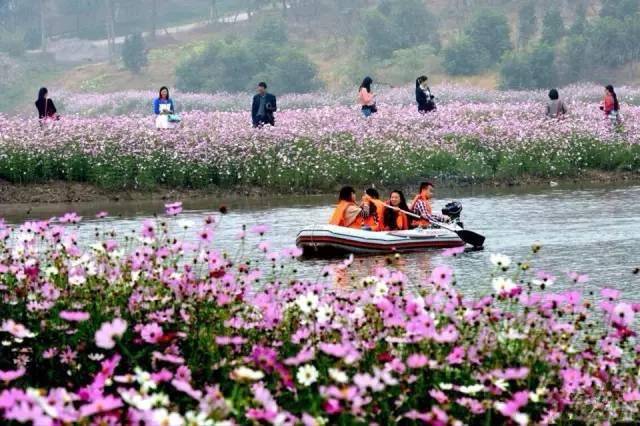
[(595, 231)]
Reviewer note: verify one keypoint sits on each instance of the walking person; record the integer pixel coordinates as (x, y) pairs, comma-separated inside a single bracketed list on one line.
[(555, 107), (46, 108), (610, 105), (264, 105), (367, 98), (424, 98)]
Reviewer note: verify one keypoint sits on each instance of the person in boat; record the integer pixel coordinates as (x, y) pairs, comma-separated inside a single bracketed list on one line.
[(395, 220), (46, 108), (421, 206), (347, 213), (375, 220)]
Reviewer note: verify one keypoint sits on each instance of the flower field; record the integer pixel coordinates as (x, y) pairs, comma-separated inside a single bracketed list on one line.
[(148, 328), (321, 147)]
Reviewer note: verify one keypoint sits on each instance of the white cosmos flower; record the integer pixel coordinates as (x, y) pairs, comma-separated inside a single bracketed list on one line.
[(50, 271), (185, 223), (501, 384), (472, 389), (500, 260), (503, 285), (338, 376), (358, 313), (307, 375), (243, 373), (194, 418), (98, 247), (445, 386), (307, 302), (521, 419), (163, 417), (323, 315), (381, 289)]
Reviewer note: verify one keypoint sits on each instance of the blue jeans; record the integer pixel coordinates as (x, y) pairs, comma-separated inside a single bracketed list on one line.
[(366, 112)]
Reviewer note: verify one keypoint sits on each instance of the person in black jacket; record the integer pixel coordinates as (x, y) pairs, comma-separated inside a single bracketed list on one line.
[(264, 105), (424, 98), (46, 108)]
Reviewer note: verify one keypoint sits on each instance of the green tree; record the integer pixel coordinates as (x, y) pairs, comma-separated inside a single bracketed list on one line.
[(619, 9), (134, 53), (293, 72), (574, 63), (412, 23), (527, 23), (552, 27), (489, 31), (580, 21), (607, 42), (531, 68), (462, 57), (271, 30), (378, 35)]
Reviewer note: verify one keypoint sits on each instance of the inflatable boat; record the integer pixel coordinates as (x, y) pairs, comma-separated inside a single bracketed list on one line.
[(328, 240)]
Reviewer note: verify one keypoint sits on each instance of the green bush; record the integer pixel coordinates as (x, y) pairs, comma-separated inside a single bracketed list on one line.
[(552, 27), (489, 31), (529, 69), (238, 65), (462, 57), (134, 54)]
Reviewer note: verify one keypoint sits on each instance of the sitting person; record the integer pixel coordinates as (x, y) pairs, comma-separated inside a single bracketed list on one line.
[(163, 108), (424, 98), (347, 213), (421, 206), (555, 107), (395, 220), (376, 210), (46, 108)]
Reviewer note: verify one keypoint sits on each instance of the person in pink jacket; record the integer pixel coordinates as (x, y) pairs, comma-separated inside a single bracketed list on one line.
[(366, 97)]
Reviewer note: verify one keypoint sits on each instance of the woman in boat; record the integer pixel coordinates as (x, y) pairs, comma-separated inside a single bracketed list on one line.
[(393, 219), (347, 213), (375, 220)]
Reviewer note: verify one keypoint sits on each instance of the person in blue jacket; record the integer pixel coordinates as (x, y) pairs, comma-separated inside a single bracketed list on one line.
[(264, 105), (163, 99)]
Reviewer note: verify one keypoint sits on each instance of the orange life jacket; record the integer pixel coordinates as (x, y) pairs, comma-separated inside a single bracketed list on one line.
[(338, 216), (376, 219), (421, 222), (402, 221)]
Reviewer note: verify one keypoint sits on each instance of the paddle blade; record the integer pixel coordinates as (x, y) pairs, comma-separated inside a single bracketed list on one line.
[(471, 237)]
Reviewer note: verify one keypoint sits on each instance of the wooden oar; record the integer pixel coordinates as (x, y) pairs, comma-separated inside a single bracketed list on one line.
[(469, 237)]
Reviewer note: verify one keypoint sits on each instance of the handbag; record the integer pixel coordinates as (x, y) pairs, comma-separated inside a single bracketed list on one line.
[(174, 118)]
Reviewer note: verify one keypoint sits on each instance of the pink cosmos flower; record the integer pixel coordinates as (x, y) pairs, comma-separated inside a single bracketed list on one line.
[(453, 251), (173, 209), (439, 396), (101, 405), (206, 235), (417, 361), (74, 316), (16, 329), (442, 275), (456, 356), (512, 406), (148, 229), (578, 278), (101, 215), (69, 218), (151, 333), (609, 293), (11, 375), (259, 229), (109, 331), (623, 314)]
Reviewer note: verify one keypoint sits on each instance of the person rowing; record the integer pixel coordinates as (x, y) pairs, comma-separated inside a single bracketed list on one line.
[(375, 220), (421, 206), (348, 213)]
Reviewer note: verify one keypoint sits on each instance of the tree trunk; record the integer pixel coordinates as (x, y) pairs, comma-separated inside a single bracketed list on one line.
[(213, 12), (110, 30), (43, 25), (154, 18)]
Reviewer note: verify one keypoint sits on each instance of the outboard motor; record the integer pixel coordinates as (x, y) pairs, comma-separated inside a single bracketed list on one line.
[(453, 210)]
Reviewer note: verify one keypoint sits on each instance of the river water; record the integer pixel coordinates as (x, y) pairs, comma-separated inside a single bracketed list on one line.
[(593, 230)]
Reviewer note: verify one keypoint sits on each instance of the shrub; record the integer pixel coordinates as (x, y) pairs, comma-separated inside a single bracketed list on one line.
[(463, 57), (529, 69), (134, 54), (552, 27), (489, 31)]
